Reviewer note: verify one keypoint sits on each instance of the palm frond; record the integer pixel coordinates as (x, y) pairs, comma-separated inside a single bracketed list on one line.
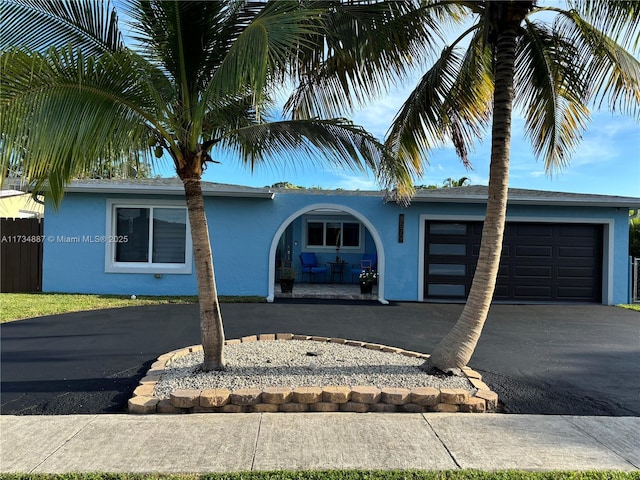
[(469, 101), (451, 101), (62, 113), (612, 73), (335, 141), (619, 18), (226, 115), (365, 48), (187, 38), (552, 93), (263, 50), (38, 24)]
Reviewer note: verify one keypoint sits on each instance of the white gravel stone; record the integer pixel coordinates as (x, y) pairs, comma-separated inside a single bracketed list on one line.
[(298, 363)]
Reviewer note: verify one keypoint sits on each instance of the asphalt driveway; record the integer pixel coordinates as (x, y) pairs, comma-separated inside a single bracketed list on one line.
[(542, 359)]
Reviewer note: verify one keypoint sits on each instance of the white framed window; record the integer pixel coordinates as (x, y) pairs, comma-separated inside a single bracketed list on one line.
[(147, 237), (332, 233)]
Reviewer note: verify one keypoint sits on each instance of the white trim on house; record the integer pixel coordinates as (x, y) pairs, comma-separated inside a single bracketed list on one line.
[(111, 266), (332, 206), (607, 243), (326, 219)]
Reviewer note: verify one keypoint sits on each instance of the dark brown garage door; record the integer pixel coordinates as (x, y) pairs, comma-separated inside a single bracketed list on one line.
[(540, 261)]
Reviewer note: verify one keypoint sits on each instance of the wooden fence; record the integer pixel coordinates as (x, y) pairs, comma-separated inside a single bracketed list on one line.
[(21, 243), (635, 280)]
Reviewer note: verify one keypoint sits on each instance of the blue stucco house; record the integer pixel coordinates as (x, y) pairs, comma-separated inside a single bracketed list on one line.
[(125, 237)]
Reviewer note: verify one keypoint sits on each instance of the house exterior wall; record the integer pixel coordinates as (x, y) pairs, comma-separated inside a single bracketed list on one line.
[(243, 233)]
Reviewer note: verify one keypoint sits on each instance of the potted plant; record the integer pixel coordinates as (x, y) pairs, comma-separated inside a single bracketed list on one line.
[(287, 279), (367, 279)]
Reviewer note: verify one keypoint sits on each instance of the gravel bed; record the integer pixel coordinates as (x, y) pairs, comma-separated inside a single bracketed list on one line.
[(299, 363)]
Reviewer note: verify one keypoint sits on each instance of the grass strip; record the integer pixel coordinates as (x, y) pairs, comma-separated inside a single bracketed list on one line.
[(18, 306), (347, 475), (633, 306)]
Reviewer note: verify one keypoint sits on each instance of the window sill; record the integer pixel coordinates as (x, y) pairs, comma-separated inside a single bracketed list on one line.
[(169, 269)]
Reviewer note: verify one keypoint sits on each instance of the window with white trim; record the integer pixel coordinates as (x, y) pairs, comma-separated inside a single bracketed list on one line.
[(148, 238), (333, 234)]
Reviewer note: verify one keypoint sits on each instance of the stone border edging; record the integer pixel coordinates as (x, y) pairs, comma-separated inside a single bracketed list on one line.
[(332, 398)]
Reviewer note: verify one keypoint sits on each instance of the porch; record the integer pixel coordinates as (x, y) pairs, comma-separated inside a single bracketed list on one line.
[(329, 291)]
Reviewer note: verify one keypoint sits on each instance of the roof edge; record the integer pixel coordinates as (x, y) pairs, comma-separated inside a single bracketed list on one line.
[(574, 202), (208, 190)]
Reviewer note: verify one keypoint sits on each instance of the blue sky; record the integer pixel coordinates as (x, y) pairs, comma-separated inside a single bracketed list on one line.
[(607, 161)]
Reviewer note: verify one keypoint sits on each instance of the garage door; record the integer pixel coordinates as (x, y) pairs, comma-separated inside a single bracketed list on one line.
[(540, 261)]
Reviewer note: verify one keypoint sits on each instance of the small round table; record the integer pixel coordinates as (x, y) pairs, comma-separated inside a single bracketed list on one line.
[(337, 269)]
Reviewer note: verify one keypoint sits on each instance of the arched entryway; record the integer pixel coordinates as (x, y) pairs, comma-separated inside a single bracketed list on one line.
[(327, 207)]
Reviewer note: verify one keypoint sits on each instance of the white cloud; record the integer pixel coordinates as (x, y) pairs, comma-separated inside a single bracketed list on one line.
[(377, 117), (334, 178)]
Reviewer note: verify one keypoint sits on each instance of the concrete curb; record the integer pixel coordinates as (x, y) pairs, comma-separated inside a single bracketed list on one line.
[(329, 398)]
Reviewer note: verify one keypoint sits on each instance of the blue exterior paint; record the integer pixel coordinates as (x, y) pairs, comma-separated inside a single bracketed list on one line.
[(242, 231)]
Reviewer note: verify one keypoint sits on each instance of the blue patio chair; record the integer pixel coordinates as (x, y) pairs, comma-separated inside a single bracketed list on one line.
[(368, 263), (310, 266)]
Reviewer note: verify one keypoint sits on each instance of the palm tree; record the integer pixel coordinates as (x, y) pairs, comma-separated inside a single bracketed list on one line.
[(461, 182), (193, 76), (552, 72), (508, 55)]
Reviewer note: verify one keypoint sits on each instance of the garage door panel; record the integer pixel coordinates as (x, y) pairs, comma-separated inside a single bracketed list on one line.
[(537, 271), (539, 292), (503, 270), (576, 252), (474, 228), (502, 292), (448, 228), (447, 249), (576, 272), (534, 251), (447, 290), (575, 230), (585, 240), (533, 230), (575, 292), (540, 262), (459, 269)]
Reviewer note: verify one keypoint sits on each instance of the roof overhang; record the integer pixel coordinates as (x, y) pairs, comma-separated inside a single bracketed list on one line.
[(585, 201), (168, 189), (11, 193)]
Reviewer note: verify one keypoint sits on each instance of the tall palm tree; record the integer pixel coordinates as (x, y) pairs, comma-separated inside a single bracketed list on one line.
[(192, 76), (509, 55)]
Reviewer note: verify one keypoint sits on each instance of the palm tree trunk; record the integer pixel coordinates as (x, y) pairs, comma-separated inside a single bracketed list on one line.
[(457, 347), (211, 328)]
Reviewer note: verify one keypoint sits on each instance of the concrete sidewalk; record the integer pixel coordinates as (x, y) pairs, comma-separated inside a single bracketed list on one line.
[(241, 442)]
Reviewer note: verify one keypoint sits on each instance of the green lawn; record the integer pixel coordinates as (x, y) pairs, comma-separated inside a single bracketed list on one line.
[(346, 475), (634, 306), (17, 306)]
